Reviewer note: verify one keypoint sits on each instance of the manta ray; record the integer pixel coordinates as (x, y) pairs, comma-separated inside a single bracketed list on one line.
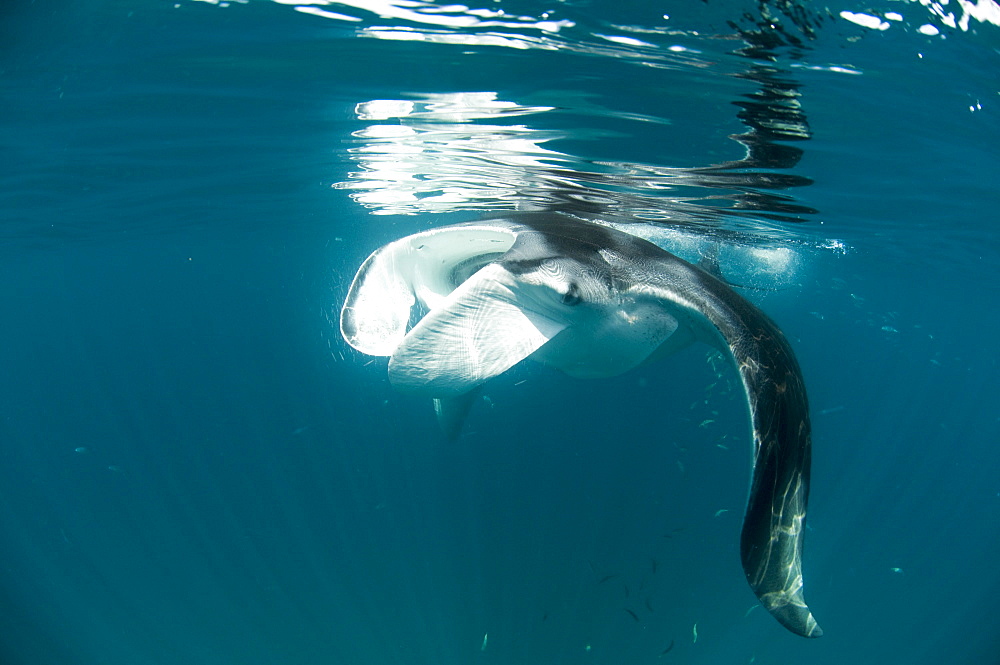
[(457, 305)]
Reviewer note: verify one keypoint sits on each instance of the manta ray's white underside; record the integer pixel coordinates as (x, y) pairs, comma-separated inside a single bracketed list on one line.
[(478, 326)]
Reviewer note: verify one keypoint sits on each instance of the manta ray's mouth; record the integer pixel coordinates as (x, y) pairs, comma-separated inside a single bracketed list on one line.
[(463, 270)]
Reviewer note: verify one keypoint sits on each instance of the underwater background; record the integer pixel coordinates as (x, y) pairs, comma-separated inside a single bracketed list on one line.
[(196, 468)]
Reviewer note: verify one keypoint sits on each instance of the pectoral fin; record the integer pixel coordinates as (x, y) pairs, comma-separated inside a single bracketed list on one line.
[(418, 270), (479, 331)]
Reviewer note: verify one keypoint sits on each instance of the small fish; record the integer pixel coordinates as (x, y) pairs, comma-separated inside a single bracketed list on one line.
[(606, 578), (706, 423), (485, 637), (627, 592), (720, 511), (897, 570), (719, 445), (81, 449), (694, 633), (752, 608), (667, 650), (649, 606), (632, 614), (655, 565)]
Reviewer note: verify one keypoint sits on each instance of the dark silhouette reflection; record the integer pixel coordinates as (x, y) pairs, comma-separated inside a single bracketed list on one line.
[(773, 115), (775, 121), (448, 152)]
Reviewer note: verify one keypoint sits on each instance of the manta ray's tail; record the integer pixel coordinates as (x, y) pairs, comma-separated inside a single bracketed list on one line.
[(775, 519)]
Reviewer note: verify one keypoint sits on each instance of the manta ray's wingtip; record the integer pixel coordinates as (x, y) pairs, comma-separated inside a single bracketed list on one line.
[(800, 621), (796, 617)]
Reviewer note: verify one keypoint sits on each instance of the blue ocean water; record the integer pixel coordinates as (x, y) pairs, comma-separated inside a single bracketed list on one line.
[(197, 469)]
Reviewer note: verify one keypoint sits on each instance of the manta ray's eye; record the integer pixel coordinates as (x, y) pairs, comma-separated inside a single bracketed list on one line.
[(572, 295)]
